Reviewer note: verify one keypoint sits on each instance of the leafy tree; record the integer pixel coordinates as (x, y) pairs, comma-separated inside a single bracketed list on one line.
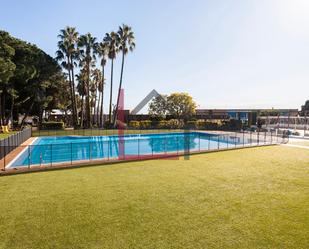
[(31, 86), (126, 43), (305, 108), (158, 106), (7, 67), (180, 105)]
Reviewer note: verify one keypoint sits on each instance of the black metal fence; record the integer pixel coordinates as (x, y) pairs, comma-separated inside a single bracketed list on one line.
[(130, 146), (13, 141), (99, 132)]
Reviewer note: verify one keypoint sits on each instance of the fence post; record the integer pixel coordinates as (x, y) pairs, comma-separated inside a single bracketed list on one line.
[(108, 148), (71, 153), (208, 141), (243, 138), (151, 147), (165, 145), (218, 142), (138, 148), (4, 158), (89, 151), (271, 137), (51, 154), (199, 142), (177, 145), (235, 140), (29, 157)]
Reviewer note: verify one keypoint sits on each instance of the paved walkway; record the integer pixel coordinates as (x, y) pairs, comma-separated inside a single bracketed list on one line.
[(9, 157), (296, 146)]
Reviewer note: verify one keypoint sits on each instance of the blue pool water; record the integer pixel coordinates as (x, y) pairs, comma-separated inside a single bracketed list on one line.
[(48, 150)]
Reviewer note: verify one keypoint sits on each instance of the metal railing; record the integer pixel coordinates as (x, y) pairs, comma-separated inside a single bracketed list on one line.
[(13, 141), (125, 147), (99, 132)]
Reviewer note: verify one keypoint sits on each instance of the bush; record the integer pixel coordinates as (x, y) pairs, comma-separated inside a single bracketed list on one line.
[(191, 124), (174, 124), (145, 124), (232, 124), (134, 124), (162, 124), (52, 126), (215, 124)]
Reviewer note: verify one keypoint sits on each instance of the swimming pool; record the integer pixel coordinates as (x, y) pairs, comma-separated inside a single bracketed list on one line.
[(50, 150)]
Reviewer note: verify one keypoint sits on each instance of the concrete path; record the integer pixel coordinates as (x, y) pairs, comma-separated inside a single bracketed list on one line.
[(296, 146)]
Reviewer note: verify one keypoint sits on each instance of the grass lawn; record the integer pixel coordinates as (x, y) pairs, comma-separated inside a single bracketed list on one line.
[(250, 198)]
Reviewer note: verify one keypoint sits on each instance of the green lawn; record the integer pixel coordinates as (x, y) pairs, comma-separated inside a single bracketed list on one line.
[(250, 198)]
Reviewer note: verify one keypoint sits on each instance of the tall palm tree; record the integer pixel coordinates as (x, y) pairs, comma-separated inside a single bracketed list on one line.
[(111, 40), (126, 41), (88, 46), (103, 53), (96, 80), (81, 89), (67, 53)]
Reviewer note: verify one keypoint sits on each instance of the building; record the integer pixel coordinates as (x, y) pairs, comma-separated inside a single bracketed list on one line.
[(249, 116)]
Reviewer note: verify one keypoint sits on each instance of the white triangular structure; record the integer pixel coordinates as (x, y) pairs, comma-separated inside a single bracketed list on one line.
[(145, 101)]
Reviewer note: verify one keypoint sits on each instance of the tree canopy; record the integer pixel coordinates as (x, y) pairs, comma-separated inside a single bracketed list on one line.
[(29, 78), (178, 105), (305, 108)]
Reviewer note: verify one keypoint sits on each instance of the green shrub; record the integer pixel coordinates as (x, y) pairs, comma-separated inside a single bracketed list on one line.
[(134, 124), (145, 124), (52, 125), (231, 124), (162, 124), (191, 124), (174, 124)]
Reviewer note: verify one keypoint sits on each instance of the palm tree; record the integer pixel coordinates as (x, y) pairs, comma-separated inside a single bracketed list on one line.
[(103, 53), (97, 81), (126, 43), (67, 52), (88, 46), (111, 40), (81, 89)]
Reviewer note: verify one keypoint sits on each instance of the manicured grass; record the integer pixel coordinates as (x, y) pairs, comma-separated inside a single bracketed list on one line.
[(250, 198), (97, 132)]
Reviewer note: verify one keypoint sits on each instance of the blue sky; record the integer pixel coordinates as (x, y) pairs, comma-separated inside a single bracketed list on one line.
[(225, 53)]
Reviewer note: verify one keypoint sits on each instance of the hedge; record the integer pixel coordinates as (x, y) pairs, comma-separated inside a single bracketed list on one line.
[(134, 124), (145, 124), (215, 124), (52, 126), (218, 124)]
